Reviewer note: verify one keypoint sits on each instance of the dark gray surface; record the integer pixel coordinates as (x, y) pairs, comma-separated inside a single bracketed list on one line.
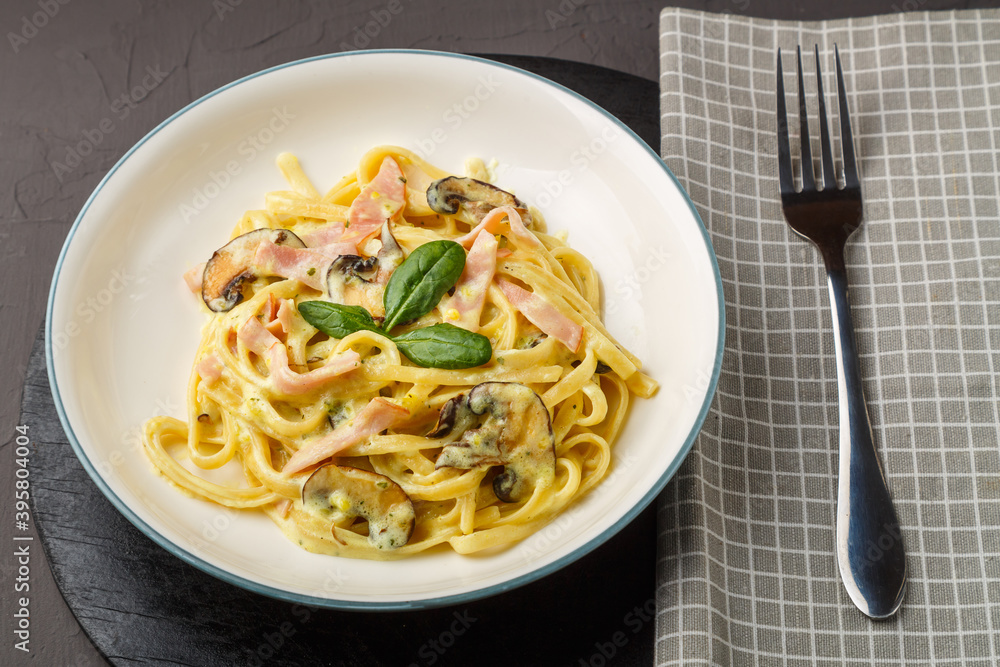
[(64, 80)]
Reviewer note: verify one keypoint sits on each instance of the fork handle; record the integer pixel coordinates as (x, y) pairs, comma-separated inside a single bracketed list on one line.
[(869, 544)]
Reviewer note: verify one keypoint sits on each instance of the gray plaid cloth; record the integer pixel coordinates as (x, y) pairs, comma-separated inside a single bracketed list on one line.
[(746, 570)]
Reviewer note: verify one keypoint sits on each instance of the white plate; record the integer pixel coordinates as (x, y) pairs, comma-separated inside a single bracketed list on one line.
[(122, 328)]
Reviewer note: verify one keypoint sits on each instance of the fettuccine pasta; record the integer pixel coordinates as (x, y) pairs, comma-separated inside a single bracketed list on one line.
[(459, 395)]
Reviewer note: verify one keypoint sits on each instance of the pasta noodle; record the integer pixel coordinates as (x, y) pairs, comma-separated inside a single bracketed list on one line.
[(316, 425)]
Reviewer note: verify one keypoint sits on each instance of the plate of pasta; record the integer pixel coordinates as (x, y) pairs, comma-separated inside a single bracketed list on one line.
[(385, 330)]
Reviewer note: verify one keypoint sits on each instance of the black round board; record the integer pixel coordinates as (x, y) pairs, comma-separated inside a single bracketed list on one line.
[(141, 605)]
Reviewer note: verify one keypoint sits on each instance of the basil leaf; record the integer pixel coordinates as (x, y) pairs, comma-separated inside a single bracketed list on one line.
[(337, 320), (421, 280), (445, 346)]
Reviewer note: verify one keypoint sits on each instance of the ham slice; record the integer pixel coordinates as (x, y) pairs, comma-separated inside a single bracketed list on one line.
[(543, 315), (193, 277), (382, 199), (329, 241), (265, 345), (286, 315), (493, 223), (257, 339), (270, 308), (337, 248), (465, 307), (283, 507), (374, 418), (329, 233), (307, 265), (269, 313), (209, 368)]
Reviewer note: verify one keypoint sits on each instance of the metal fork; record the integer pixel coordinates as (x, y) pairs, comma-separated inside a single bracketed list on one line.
[(869, 545)]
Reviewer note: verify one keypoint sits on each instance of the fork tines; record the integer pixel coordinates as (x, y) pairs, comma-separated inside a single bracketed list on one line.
[(847, 140)]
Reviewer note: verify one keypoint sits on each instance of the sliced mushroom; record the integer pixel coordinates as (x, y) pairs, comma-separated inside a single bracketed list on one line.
[(356, 280), (477, 197), (359, 493), (601, 368), (232, 265), (517, 434), (454, 419), (390, 255)]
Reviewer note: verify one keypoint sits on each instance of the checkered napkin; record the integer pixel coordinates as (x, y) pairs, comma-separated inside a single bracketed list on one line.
[(746, 570)]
